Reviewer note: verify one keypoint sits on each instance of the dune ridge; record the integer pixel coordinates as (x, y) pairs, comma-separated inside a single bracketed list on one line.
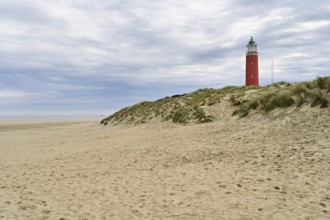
[(208, 104)]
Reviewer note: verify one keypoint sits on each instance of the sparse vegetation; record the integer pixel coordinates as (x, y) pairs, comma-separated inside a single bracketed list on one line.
[(177, 108), (242, 111), (322, 82), (319, 99), (315, 93), (193, 107), (201, 117), (281, 100), (301, 100), (181, 115)]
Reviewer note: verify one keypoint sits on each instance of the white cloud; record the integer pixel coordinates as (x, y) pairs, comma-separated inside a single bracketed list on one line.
[(11, 94), (17, 96)]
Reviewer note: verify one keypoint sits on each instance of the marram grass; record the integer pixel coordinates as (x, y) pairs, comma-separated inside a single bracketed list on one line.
[(191, 107)]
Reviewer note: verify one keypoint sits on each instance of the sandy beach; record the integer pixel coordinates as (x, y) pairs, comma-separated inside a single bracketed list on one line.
[(262, 167)]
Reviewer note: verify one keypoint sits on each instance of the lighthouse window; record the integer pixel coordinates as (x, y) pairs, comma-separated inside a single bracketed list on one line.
[(251, 76)]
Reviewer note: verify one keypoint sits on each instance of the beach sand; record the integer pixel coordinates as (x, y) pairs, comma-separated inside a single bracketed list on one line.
[(274, 166)]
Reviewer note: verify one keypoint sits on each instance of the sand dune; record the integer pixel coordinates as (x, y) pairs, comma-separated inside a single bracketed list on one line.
[(261, 167)]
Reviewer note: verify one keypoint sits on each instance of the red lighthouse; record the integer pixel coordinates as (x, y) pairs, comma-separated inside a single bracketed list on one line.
[(252, 72)]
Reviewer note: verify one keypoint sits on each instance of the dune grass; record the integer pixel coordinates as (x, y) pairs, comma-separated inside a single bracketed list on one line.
[(191, 107), (315, 93), (177, 108)]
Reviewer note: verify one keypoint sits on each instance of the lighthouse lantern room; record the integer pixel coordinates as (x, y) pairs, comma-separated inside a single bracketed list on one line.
[(252, 75)]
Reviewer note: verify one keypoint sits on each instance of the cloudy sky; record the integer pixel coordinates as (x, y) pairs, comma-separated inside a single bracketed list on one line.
[(82, 57)]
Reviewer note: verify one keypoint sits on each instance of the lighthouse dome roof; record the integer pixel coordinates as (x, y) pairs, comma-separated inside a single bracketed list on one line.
[(252, 42)]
